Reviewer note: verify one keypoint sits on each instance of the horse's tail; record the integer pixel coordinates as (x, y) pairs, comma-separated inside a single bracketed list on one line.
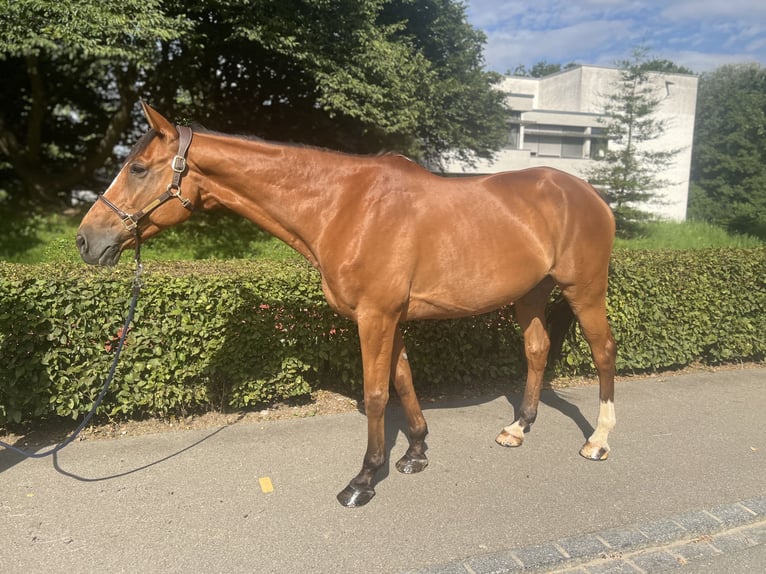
[(560, 321)]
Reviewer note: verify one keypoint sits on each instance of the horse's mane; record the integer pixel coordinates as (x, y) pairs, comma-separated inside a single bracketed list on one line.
[(199, 128), (147, 137)]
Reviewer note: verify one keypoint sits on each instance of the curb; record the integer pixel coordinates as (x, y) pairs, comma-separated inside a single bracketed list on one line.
[(645, 547)]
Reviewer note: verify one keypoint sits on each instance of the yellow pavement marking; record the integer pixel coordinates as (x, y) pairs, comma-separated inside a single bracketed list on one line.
[(266, 485)]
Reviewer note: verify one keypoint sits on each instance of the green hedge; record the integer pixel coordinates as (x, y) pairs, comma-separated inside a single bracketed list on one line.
[(233, 334)]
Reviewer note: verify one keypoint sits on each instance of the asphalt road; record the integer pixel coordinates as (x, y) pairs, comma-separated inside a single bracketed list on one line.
[(684, 487)]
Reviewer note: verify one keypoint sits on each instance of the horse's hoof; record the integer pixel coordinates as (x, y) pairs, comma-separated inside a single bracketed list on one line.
[(593, 452), (410, 465), (507, 439), (352, 497)]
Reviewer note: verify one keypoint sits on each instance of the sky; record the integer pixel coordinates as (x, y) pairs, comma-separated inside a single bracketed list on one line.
[(699, 34)]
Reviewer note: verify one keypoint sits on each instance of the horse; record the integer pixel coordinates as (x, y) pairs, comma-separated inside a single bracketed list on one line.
[(392, 242)]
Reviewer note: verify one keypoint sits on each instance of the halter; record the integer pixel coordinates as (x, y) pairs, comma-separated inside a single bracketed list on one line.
[(173, 190)]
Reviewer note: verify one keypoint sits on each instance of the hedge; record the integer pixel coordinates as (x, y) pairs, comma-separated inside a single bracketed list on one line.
[(236, 334)]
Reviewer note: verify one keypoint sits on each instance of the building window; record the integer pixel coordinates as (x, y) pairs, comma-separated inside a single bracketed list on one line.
[(514, 137), (598, 143), (572, 147), (555, 141)]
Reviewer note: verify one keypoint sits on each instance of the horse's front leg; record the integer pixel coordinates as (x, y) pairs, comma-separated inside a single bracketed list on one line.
[(376, 335)]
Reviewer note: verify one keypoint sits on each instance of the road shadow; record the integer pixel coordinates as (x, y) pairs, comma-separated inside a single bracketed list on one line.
[(396, 420), (8, 459)]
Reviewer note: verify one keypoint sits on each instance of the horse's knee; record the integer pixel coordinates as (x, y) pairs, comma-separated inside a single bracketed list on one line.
[(607, 353), (375, 402)]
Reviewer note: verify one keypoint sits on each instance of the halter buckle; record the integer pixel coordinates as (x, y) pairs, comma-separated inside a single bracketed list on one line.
[(130, 223), (178, 164)]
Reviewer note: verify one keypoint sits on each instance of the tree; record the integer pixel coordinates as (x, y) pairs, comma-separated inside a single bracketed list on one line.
[(70, 71), (354, 75), (663, 66), (540, 69), (466, 116), (628, 174), (729, 154)]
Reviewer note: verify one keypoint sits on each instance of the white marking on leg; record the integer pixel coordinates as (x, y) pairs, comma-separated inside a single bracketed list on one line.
[(512, 435), (606, 422), (515, 429)]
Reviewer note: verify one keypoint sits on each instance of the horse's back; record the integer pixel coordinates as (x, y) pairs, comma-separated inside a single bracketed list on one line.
[(540, 205), (461, 246), (569, 194)]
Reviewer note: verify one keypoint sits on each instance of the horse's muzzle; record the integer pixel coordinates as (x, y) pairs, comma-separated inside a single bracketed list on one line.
[(96, 250)]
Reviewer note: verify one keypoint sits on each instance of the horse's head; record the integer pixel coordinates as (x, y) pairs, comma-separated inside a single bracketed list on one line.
[(144, 198)]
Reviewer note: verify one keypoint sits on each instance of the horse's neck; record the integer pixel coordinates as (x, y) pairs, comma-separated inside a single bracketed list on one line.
[(285, 190)]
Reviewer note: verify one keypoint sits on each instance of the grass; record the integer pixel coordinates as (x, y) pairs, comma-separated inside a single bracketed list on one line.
[(219, 235), (686, 235)]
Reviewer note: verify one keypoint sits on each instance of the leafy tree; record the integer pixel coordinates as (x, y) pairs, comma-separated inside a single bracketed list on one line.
[(70, 74), (356, 75), (628, 175), (465, 115), (665, 67), (729, 154), (540, 69)]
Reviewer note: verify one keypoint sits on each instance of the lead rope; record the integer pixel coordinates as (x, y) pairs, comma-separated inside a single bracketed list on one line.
[(112, 369)]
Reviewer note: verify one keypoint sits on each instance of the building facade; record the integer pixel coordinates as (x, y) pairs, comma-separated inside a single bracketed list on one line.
[(557, 122)]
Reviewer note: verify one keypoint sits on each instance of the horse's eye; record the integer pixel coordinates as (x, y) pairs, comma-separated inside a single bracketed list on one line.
[(137, 169)]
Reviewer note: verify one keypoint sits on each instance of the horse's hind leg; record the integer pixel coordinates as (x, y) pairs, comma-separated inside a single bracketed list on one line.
[(592, 317), (530, 314), (414, 459)]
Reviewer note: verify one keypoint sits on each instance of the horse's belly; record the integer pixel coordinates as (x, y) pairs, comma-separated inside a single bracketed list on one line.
[(473, 283), (442, 303)]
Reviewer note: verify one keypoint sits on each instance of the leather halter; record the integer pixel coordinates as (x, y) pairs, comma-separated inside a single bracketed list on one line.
[(173, 190)]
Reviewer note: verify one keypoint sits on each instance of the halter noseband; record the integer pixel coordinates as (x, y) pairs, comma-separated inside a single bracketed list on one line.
[(173, 190)]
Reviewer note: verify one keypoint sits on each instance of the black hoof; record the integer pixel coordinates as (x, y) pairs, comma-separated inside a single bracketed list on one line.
[(410, 465), (352, 497)]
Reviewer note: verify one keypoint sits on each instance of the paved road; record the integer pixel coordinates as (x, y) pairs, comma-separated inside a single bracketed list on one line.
[(684, 485)]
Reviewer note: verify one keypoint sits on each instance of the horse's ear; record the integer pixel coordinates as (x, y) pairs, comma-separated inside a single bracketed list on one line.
[(157, 121)]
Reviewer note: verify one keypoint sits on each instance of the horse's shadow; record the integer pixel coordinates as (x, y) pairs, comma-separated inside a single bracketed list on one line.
[(396, 421)]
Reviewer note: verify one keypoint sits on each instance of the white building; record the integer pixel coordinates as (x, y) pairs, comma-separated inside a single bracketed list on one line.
[(556, 123)]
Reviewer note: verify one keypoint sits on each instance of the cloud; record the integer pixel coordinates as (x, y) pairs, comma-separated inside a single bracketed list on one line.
[(699, 34), (707, 61), (585, 43), (489, 14), (742, 10)]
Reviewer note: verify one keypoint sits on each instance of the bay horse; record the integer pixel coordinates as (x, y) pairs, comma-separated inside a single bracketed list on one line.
[(393, 243)]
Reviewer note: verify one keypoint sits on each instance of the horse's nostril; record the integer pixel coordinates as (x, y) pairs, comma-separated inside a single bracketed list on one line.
[(82, 243)]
